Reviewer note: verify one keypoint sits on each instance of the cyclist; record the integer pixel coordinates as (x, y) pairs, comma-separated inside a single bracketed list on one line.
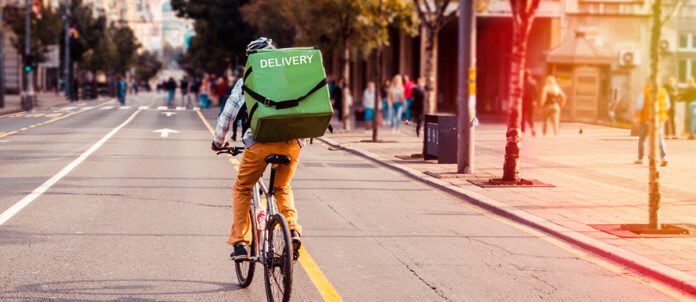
[(252, 167)]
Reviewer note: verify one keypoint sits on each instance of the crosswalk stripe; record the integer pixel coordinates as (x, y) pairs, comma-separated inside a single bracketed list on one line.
[(67, 108), (196, 108), (88, 107), (180, 108), (124, 107), (162, 108), (144, 107), (106, 107)]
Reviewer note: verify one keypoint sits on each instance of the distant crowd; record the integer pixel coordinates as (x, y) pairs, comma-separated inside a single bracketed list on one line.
[(205, 92)]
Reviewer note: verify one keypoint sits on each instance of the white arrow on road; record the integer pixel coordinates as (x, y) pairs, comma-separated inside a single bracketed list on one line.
[(165, 132), (168, 114)]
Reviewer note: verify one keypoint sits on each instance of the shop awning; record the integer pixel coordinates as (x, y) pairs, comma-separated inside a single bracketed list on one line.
[(580, 50)]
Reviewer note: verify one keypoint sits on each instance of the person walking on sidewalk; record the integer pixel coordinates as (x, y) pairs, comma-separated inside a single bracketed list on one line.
[(397, 101), (368, 102), (689, 97), (408, 95), (673, 92), (386, 110), (529, 99), (205, 91), (552, 99), (643, 118), (418, 104)]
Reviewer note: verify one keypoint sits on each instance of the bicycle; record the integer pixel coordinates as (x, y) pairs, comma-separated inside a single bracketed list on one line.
[(271, 245)]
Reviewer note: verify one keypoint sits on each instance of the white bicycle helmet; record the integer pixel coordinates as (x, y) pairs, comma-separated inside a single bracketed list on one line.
[(260, 43)]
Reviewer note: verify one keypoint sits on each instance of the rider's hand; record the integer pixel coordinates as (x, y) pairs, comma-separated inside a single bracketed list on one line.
[(215, 148)]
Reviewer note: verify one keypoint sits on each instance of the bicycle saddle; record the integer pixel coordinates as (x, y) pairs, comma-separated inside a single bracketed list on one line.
[(278, 159)]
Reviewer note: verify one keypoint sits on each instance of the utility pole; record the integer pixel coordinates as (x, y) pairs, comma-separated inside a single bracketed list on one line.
[(2, 55), (66, 61), (29, 91), (466, 82)]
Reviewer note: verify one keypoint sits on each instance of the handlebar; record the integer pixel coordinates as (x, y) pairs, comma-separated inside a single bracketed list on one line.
[(234, 151)]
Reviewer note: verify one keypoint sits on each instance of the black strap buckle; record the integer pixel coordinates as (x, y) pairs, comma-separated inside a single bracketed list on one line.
[(266, 102)]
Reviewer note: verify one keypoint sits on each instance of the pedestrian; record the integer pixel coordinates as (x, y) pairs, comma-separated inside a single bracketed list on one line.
[(529, 98), (171, 88), (121, 89), (397, 101), (220, 91), (205, 91), (184, 87), (337, 98), (195, 89), (673, 92), (368, 103), (387, 112), (552, 99), (408, 94), (689, 98), (643, 120), (418, 104)]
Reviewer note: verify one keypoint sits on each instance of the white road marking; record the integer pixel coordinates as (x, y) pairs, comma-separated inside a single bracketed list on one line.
[(162, 108), (4, 140), (88, 107), (168, 113), (180, 108), (165, 132), (67, 108), (9, 213), (144, 107), (196, 108), (106, 107), (124, 107)]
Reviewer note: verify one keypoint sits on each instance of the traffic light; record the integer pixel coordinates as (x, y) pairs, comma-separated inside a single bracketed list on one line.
[(29, 63)]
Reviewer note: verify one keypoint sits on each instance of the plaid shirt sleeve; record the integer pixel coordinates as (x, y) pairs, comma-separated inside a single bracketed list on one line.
[(234, 102)]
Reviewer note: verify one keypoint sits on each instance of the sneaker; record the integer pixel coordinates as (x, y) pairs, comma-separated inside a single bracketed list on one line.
[(296, 243), (638, 161), (241, 252)]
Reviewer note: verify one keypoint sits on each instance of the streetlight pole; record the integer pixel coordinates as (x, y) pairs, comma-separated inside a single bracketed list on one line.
[(29, 92), (466, 95), (66, 61), (2, 55)]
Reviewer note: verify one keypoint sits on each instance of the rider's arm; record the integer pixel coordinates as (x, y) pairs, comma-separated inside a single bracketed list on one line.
[(234, 102)]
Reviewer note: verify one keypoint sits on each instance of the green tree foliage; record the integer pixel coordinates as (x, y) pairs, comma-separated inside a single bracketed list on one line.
[(147, 66), (126, 48), (44, 31), (221, 33)]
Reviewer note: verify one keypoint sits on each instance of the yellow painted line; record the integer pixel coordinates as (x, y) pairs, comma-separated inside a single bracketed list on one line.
[(7, 134), (22, 129), (318, 278), (326, 290)]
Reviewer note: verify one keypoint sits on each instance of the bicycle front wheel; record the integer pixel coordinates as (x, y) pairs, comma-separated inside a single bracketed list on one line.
[(278, 262), (245, 269)]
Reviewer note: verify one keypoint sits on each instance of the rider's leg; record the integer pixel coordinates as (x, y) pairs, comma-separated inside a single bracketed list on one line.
[(250, 170), (283, 191)]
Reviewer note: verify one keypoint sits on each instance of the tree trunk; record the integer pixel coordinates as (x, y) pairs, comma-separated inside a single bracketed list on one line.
[(346, 87), (654, 175), (430, 70), (511, 168), (378, 97)]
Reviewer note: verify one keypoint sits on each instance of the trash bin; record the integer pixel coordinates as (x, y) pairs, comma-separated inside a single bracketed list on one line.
[(692, 113), (440, 138)]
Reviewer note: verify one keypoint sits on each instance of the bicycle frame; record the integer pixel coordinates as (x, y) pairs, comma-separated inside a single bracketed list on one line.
[(257, 189)]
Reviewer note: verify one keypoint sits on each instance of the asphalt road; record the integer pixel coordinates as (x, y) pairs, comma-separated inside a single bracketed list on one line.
[(120, 213)]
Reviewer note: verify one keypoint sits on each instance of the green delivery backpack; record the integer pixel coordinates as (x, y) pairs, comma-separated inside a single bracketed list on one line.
[(286, 94)]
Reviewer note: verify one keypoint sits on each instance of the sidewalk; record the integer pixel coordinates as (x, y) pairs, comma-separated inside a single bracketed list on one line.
[(596, 184), (44, 100)]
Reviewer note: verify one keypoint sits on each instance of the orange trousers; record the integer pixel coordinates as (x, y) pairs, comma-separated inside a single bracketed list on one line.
[(250, 170)]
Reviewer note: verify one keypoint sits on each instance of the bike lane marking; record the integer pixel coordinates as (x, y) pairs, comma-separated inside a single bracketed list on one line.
[(326, 290), (54, 119), (17, 207)]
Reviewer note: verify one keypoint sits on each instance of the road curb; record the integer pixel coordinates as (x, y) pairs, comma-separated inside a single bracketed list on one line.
[(648, 267)]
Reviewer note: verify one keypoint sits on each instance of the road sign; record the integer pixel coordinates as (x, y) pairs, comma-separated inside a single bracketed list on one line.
[(165, 132)]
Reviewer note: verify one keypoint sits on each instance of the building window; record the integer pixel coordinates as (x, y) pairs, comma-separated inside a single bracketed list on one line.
[(687, 68), (687, 42)]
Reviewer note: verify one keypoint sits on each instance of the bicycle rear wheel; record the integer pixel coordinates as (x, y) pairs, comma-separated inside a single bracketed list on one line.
[(278, 265), (245, 269)]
